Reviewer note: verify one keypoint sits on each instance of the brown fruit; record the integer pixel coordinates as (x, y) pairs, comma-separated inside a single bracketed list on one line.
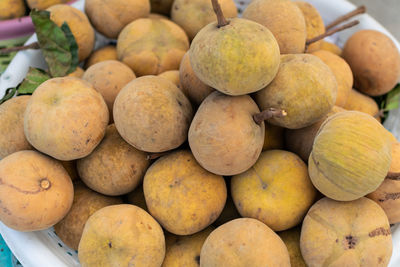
[(374, 60), (108, 52), (152, 46), (304, 87), (86, 202), (109, 17), (79, 25), (284, 19), (314, 24), (355, 233), (114, 168), (152, 114), (65, 118), (244, 242), (360, 102), (108, 78), (35, 191), (161, 6), (171, 188), (136, 197), (70, 167), (215, 140), (194, 15), (229, 212), (12, 138), (276, 190), (122, 235), (342, 72), (192, 87), (300, 141)]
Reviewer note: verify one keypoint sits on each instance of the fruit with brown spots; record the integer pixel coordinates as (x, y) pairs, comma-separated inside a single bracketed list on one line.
[(304, 87), (12, 137), (276, 190), (355, 233), (244, 242), (182, 196), (284, 19), (108, 78), (214, 138), (342, 72), (192, 87), (114, 168), (300, 141), (374, 60), (35, 191), (172, 76), (314, 24), (351, 156), (152, 46), (363, 103), (65, 118), (194, 15), (185, 250), (291, 238), (152, 114), (109, 17), (121, 235), (79, 25), (86, 202)]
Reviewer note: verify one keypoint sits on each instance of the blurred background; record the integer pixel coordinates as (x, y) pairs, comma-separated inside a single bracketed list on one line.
[(387, 12)]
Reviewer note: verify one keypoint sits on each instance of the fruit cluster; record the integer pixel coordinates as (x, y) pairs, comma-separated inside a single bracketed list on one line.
[(199, 120)]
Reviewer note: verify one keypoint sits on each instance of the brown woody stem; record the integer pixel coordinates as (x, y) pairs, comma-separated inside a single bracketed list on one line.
[(331, 32), (393, 176), (156, 155), (220, 16), (357, 11), (268, 114), (19, 48)]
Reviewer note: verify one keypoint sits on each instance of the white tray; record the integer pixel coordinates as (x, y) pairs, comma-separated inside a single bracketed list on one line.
[(45, 249)]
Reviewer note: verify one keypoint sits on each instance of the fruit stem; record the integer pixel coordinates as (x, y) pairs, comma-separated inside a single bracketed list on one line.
[(331, 32), (355, 12), (8, 50), (393, 176), (220, 16), (269, 113)]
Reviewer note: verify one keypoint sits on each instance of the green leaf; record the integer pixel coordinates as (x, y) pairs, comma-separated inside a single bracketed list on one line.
[(33, 79), (10, 92), (393, 99), (58, 49), (73, 46)]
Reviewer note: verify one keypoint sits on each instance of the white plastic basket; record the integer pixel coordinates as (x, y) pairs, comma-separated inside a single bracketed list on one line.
[(45, 249)]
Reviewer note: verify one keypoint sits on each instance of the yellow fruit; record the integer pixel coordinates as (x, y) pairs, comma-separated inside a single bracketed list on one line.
[(291, 238), (236, 59), (360, 102), (276, 190), (78, 73), (172, 76), (108, 52), (11, 9), (304, 87), (181, 195), (43, 4), (161, 6), (122, 235), (331, 47), (274, 137), (350, 157)]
